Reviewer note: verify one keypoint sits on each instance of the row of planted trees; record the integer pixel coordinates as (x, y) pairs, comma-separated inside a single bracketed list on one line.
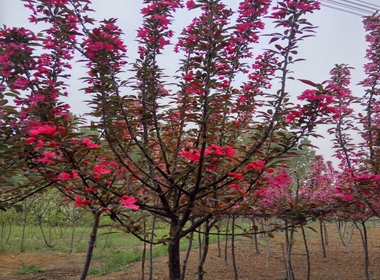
[(49, 214), (189, 151), (37, 217)]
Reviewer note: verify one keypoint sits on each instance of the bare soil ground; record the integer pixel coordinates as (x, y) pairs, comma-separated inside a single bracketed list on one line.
[(339, 264)]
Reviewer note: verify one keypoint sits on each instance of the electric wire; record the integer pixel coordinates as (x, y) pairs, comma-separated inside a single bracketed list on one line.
[(348, 5), (360, 9), (374, 5), (367, 5), (343, 10)]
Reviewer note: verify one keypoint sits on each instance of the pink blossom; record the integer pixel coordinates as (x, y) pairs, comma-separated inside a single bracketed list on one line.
[(21, 83), (89, 144), (64, 176), (281, 180), (79, 202), (129, 202), (47, 158), (348, 197), (256, 165), (45, 129), (99, 169), (234, 186), (190, 4)]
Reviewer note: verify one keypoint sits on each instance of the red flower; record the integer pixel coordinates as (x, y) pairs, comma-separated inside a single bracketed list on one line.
[(234, 186), (257, 165), (91, 189), (99, 169), (128, 202), (64, 176), (190, 4), (79, 202), (348, 197), (89, 144), (45, 129), (281, 180), (47, 158)]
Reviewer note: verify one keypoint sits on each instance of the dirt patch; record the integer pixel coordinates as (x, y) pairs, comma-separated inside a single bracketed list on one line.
[(52, 265), (339, 264)]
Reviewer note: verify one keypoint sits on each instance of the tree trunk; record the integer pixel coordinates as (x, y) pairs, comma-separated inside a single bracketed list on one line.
[(255, 240), (174, 252), (91, 244), (9, 232), (22, 238), (187, 255), (143, 255), (2, 231), (307, 253), (218, 240), (205, 246), (364, 237), (72, 238), (151, 249), (106, 241), (322, 238), (43, 235), (226, 242), (236, 276), (288, 256)]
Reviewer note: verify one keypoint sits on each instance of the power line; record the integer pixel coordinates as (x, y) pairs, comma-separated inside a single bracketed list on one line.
[(342, 10), (373, 5), (350, 5), (367, 5), (355, 8)]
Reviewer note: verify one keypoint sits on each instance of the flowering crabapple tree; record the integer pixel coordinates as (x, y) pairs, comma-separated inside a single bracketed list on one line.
[(173, 149), (357, 184)]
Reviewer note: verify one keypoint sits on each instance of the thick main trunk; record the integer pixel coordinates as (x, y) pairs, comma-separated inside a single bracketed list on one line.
[(174, 253), (174, 259)]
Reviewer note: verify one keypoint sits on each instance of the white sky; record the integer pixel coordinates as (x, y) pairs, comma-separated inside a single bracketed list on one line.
[(339, 39)]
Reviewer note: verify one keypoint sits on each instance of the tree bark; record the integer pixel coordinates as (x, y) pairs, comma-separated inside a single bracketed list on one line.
[(226, 242), (322, 239), (236, 275), (91, 244), (205, 246), (307, 253), (174, 252), (187, 255), (151, 248), (364, 237)]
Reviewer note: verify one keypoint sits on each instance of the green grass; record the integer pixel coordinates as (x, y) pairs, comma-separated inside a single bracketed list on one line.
[(28, 269), (113, 251), (33, 241), (116, 260)]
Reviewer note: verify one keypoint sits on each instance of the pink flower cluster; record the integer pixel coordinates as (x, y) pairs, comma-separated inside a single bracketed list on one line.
[(213, 154), (318, 104), (155, 34), (305, 6), (105, 46), (128, 202)]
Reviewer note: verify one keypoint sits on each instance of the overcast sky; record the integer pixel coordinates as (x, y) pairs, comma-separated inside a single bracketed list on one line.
[(339, 39)]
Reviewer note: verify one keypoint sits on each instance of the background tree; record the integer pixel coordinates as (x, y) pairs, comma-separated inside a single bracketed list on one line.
[(174, 152)]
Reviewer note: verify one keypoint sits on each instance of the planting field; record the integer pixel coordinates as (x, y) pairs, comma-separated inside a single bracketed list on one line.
[(339, 263)]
